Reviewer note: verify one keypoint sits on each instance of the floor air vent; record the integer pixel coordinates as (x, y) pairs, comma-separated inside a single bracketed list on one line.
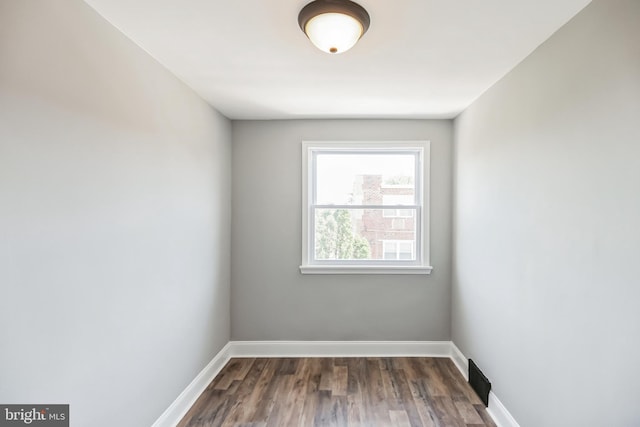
[(479, 382)]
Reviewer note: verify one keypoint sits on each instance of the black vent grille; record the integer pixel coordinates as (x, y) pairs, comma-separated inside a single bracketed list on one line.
[(479, 382)]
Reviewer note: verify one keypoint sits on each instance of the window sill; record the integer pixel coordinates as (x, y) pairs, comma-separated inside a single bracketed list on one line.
[(369, 269)]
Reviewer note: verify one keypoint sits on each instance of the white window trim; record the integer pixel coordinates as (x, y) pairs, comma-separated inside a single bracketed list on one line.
[(420, 266)]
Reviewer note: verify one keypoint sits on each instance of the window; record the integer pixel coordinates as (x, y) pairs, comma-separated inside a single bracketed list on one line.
[(365, 208)]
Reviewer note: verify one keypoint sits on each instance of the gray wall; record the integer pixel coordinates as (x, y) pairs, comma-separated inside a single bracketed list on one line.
[(270, 299), (547, 202), (114, 220)]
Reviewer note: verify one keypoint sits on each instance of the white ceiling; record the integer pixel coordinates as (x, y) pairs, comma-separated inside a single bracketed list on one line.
[(419, 59)]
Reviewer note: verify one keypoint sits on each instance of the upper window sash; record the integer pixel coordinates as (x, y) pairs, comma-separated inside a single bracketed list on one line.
[(380, 149)]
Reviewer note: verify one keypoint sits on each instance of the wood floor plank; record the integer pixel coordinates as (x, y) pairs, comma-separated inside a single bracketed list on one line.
[(375, 387), (277, 405), (206, 407), (311, 396), (296, 388), (353, 383), (481, 410), (341, 392), (236, 413), (458, 386), (288, 366), (392, 394), (399, 419), (467, 411), (244, 368), (324, 415), (341, 410), (340, 381), (406, 398), (326, 377), (448, 415), (354, 408), (435, 381), (427, 417), (259, 390), (359, 370)]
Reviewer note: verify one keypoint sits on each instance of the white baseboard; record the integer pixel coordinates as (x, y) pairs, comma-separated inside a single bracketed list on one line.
[(501, 416), (188, 397), (340, 348), (461, 362)]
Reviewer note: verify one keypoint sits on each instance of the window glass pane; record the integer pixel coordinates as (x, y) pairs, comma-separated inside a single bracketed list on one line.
[(352, 234), (389, 250), (390, 213), (364, 179), (405, 250), (405, 246), (397, 199)]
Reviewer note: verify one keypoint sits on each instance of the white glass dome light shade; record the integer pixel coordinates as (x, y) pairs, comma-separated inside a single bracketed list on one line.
[(334, 32), (334, 26)]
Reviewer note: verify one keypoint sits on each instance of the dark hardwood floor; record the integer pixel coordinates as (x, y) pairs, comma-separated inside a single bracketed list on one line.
[(403, 391)]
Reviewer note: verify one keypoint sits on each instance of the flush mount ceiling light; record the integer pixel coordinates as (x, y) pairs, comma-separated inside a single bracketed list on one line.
[(334, 26)]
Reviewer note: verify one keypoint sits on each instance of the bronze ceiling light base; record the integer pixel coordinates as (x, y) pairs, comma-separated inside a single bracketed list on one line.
[(334, 26)]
